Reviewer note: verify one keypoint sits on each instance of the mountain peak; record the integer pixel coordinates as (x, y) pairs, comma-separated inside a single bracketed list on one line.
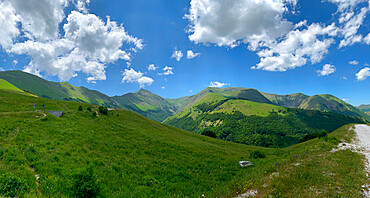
[(143, 92)]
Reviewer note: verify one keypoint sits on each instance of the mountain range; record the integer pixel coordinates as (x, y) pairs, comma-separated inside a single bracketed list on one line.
[(160, 109)]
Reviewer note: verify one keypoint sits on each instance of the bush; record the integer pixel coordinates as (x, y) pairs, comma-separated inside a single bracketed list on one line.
[(257, 154), (103, 110), (84, 183), (94, 114), (80, 108), (89, 109), (311, 136), (12, 186), (322, 134), (209, 133)]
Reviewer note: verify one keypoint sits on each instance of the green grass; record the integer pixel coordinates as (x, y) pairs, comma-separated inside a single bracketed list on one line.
[(133, 156), (7, 86), (248, 108)]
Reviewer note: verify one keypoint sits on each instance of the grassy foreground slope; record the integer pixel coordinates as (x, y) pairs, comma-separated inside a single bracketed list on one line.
[(132, 156)]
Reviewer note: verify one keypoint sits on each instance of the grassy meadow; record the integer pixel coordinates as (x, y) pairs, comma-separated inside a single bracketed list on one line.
[(124, 154)]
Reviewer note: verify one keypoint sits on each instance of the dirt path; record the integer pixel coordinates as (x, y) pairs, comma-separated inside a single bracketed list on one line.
[(363, 140)]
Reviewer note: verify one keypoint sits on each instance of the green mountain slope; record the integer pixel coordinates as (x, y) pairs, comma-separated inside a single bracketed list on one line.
[(147, 104), (238, 119), (53, 90), (4, 85), (123, 154), (331, 103), (291, 101), (143, 102), (365, 108)]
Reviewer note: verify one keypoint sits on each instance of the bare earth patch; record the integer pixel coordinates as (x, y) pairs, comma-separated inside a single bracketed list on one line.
[(362, 145)]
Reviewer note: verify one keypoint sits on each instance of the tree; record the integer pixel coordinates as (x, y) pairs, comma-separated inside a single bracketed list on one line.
[(80, 108), (103, 110), (209, 133)]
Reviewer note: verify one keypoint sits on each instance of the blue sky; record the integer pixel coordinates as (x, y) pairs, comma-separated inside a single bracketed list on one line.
[(294, 46)]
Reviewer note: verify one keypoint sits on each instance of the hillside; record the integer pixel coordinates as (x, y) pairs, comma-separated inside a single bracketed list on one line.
[(365, 108), (147, 104), (123, 154), (142, 102), (53, 90), (232, 116)]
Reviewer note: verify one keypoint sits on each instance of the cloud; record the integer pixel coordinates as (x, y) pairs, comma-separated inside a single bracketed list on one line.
[(81, 5), (1, 69), (217, 84), (345, 99), (167, 71), (280, 44), (152, 67), (344, 78), (8, 24), (131, 76), (15, 62), (296, 48), (346, 5), (363, 74), (326, 70), (163, 87), (177, 54), (190, 91), (190, 54), (228, 23), (354, 62), (350, 29), (63, 45)]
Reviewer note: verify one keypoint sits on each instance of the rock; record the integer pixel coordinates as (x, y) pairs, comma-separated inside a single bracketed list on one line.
[(245, 163)]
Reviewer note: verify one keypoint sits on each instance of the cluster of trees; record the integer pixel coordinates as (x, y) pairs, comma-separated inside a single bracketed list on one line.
[(274, 130)]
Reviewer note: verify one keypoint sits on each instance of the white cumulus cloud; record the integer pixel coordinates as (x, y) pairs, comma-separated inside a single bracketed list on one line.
[(296, 48), (132, 76), (226, 23), (217, 84), (190, 54), (345, 99), (363, 74), (280, 44), (63, 45), (166, 71), (353, 62), (177, 54), (326, 70), (152, 67)]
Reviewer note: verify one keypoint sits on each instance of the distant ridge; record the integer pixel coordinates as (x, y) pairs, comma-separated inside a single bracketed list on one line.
[(157, 108)]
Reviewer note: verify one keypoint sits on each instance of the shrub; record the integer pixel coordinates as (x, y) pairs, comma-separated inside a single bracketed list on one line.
[(94, 114), (11, 185), (209, 133), (103, 110), (84, 183), (80, 108), (89, 109), (322, 134), (257, 154)]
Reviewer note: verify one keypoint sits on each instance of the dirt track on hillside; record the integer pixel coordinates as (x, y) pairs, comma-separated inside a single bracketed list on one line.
[(363, 140)]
